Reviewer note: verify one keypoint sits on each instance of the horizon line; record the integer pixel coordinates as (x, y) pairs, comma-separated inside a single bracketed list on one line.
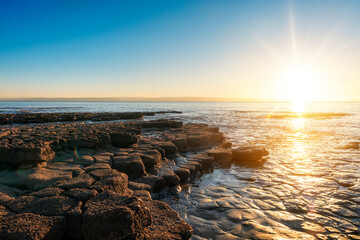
[(156, 99)]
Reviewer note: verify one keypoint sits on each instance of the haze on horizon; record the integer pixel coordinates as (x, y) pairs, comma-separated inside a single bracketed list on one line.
[(221, 49)]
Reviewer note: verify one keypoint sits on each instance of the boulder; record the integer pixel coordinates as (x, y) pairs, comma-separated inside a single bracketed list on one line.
[(28, 226), (132, 165), (169, 148), (150, 158), (112, 216), (220, 155), (156, 183), (251, 155)]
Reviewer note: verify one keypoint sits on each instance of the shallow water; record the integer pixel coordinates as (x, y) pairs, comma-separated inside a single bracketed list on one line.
[(309, 187)]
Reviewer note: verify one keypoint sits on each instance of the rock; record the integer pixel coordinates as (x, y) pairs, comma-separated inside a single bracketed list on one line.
[(85, 160), (171, 179), (139, 186), (183, 174), (81, 194), (166, 223), (150, 158), (169, 148), (132, 165), (47, 192), (12, 191), (5, 212), (96, 166), (4, 198), (112, 216), (142, 194), (18, 152), (48, 206), (180, 143), (101, 173), (82, 181), (123, 139), (35, 178), (116, 184), (156, 183), (102, 158), (249, 155), (32, 226), (220, 155)]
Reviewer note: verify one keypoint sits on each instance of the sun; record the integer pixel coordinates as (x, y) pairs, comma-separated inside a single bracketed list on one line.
[(300, 86)]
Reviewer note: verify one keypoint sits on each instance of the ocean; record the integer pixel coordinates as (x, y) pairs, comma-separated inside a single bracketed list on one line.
[(309, 186)]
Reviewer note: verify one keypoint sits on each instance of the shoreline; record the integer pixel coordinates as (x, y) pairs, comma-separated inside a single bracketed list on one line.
[(64, 177)]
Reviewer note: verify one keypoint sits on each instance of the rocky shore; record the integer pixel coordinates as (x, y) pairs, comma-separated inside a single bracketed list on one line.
[(101, 180)]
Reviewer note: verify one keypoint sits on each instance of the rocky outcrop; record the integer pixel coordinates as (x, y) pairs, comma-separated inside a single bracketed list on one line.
[(249, 155)]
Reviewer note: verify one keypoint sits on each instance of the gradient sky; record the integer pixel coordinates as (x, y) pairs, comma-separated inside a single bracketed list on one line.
[(237, 49)]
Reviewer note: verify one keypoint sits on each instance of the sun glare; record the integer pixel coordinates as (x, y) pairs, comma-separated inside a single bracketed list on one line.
[(300, 85)]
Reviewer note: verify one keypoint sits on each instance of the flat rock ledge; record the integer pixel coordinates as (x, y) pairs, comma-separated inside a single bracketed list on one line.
[(99, 180)]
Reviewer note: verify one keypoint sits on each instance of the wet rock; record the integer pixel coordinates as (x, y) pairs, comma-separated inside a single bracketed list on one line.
[(220, 155), (81, 194), (111, 216), (249, 155), (171, 179), (32, 226), (132, 165), (183, 174), (208, 204)]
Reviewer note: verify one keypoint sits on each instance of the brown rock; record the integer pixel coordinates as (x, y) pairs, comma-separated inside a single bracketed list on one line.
[(132, 165)]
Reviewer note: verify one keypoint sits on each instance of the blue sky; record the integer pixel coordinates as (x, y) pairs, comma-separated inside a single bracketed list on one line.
[(174, 48)]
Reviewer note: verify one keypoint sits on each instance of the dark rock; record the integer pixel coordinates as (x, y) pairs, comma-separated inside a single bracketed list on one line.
[(171, 179), (183, 174), (156, 183), (123, 139), (180, 143), (5, 212), (4, 198), (112, 216), (132, 165), (220, 155), (249, 155), (101, 173), (142, 194), (169, 148), (32, 226)]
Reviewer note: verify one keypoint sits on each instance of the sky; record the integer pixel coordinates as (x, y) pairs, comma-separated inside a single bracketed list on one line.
[(232, 49)]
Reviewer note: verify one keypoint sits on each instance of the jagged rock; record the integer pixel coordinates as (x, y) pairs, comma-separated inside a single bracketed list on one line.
[(251, 155), (81, 194), (171, 179), (28, 226), (132, 165), (112, 216)]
